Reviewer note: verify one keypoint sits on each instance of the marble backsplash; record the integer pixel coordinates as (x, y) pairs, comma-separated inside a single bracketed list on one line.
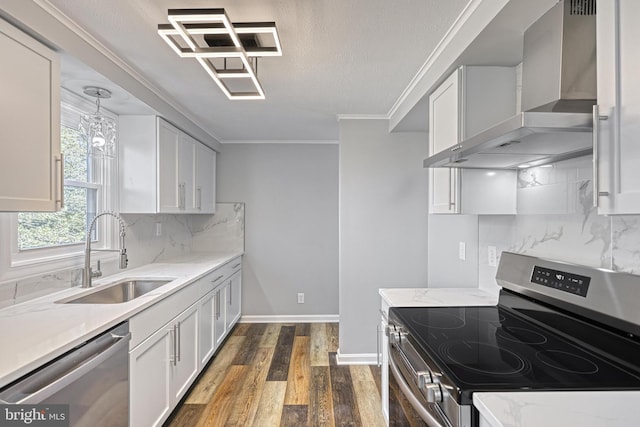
[(556, 219), (181, 234)]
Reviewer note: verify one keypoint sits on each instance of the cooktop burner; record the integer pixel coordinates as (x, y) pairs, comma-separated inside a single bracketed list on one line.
[(439, 320), (483, 358), (489, 348)]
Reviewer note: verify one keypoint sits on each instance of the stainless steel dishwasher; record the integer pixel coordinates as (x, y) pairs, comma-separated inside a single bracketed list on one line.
[(93, 379)]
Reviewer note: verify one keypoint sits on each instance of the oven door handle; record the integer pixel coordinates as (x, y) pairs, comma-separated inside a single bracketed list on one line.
[(408, 393)]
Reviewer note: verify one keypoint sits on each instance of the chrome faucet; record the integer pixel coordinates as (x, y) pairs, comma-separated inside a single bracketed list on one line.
[(88, 273)]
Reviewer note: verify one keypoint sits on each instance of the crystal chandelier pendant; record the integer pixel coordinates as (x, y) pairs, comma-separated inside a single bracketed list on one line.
[(96, 129)]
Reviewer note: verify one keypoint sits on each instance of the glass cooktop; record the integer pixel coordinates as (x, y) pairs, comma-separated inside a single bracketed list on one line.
[(490, 348)]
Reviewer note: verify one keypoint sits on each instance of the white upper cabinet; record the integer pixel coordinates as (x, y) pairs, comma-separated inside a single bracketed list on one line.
[(162, 169), (617, 127), (444, 132), (31, 176), (169, 188), (469, 101), (205, 186)]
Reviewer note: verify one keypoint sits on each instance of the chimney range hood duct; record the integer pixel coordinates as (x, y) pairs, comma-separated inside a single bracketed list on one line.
[(558, 94)]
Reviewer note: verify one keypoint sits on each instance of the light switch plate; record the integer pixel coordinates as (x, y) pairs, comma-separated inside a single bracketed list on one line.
[(462, 251)]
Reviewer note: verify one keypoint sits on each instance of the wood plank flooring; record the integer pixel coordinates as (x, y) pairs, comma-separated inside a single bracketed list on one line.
[(282, 375)]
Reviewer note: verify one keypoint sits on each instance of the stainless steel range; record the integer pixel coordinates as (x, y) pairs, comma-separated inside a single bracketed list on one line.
[(557, 326)]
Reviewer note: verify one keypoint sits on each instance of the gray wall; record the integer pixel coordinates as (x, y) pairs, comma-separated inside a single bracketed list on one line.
[(446, 269), (290, 193), (383, 224)]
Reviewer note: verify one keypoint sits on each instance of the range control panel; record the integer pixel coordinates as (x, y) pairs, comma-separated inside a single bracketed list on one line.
[(566, 282)]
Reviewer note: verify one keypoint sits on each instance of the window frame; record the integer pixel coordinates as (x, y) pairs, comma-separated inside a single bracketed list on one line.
[(16, 263)]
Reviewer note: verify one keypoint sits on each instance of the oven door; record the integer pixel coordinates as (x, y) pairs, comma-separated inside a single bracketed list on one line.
[(416, 384)]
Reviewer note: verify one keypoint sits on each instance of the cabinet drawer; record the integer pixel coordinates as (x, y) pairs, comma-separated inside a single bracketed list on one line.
[(144, 324), (215, 278), (212, 281)]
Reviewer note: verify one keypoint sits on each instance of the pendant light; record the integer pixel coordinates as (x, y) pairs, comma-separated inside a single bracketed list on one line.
[(98, 130)]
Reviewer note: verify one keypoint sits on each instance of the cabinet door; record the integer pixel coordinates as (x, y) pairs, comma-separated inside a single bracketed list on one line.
[(444, 132), (170, 191), (234, 294), (150, 379), (205, 196), (186, 172), (618, 151), (206, 340), (219, 319), (186, 369), (30, 165)]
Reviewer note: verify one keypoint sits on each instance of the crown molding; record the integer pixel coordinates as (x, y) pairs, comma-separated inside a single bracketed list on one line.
[(87, 48), (362, 117), (280, 141), (469, 24)]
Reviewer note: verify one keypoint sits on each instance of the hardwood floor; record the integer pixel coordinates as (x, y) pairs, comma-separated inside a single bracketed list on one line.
[(282, 375)]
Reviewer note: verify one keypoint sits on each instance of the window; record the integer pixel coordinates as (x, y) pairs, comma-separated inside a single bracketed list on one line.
[(69, 225), (43, 242)]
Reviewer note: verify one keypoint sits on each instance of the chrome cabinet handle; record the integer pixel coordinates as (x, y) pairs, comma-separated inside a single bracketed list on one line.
[(217, 278), (179, 345), (173, 358), (236, 266), (452, 197), (596, 156), (199, 198), (60, 160), (217, 304)]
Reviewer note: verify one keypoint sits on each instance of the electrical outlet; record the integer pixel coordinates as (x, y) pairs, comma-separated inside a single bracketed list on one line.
[(462, 251), (300, 298), (158, 229), (492, 256)]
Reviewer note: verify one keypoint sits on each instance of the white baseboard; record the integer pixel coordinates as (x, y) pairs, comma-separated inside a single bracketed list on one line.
[(356, 358), (309, 318)]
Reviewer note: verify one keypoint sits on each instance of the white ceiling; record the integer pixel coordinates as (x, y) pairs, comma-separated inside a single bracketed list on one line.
[(339, 57)]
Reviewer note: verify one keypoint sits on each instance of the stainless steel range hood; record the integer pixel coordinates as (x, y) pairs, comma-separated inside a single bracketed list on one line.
[(532, 138), (558, 92)]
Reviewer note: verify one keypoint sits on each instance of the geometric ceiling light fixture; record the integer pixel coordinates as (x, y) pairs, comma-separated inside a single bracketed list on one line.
[(228, 51)]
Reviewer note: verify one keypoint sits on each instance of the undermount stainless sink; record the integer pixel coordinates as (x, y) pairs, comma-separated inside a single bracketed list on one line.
[(117, 293)]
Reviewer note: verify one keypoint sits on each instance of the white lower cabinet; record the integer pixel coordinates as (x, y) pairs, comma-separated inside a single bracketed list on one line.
[(206, 340), (383, 355), (162, 368), (185, 356), (150, 380), (234, 294), (173, 340), (219, 312)]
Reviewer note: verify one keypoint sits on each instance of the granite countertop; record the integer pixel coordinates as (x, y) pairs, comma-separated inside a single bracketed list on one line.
[(558, 408), (40, 330), (437, 297)]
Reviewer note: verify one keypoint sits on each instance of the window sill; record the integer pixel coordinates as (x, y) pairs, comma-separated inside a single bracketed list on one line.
[(21, 269)]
